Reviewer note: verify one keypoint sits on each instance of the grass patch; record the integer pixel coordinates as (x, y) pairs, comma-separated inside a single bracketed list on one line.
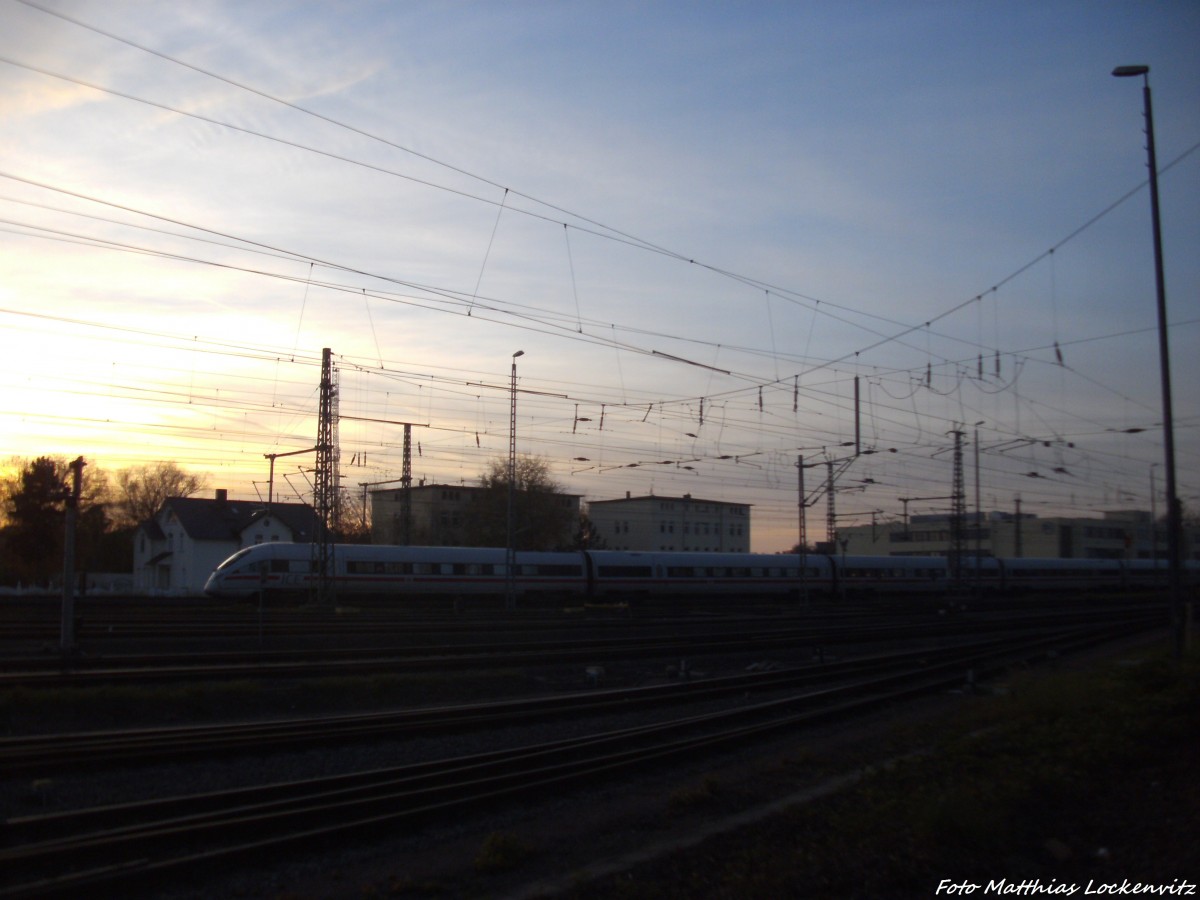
[(398, 886), (1071, 776), (501, 852), (704, 794)]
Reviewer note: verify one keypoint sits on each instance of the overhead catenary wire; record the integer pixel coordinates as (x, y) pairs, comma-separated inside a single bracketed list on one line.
[(755, 385), (606, 231)]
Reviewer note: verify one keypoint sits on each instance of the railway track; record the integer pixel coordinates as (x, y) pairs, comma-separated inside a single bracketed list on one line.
[(43, 755), (140, 844), (559, 649)]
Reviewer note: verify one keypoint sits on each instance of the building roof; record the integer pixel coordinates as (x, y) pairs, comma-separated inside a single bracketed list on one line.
[(300, 518), (686, 498), (216, 519), (153, 530)]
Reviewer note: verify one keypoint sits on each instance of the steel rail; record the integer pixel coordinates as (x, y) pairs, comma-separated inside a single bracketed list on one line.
[(323, 809), (41, 755), (84, 671)]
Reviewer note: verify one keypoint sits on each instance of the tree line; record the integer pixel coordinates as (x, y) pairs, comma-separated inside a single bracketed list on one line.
[(111, 506)]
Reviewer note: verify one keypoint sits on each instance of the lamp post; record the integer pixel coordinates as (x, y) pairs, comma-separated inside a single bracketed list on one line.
[(1153, 522), (1174, 518), (978, 518), (510, 554)]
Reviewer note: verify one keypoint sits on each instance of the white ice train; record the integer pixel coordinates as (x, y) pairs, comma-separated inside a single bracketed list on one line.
[(278, 569)]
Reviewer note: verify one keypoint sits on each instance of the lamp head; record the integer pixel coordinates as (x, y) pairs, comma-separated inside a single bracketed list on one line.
[(1130, 71), (518, 353)]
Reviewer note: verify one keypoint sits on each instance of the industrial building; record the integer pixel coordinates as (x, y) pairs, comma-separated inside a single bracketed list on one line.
[(440, 514), (1120, 534)]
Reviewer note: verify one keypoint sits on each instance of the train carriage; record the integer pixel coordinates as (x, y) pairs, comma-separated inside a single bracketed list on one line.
[(399, 571), (364, 569), (700, 574)]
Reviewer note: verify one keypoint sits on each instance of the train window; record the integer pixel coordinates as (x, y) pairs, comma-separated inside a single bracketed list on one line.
[(624, 571), (551, 570)]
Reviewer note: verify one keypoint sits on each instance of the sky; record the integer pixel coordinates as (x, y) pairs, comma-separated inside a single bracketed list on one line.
[(725, 237)]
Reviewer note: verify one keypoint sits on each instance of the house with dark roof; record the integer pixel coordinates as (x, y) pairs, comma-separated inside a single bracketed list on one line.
[(175, 551)]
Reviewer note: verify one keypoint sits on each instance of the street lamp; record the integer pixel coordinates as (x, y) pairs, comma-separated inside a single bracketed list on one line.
[(1153, 521), (978, 517), (510, 554), (1174, 517)]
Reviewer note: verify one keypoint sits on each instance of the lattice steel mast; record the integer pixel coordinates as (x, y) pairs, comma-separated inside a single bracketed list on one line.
[(958, 511), (325, 498)]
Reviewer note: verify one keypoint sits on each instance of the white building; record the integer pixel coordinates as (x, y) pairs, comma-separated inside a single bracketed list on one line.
[(176, 551), (1118, 534), (671, 523)]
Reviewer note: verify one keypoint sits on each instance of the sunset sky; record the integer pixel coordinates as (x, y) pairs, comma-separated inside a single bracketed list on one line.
[(700, 222)]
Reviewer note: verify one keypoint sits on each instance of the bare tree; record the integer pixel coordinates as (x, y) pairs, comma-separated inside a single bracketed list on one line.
[(354, 526), (141, 490), (540, 518)]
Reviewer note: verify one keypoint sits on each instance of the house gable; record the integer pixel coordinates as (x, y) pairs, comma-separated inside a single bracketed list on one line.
[(189, 536)]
